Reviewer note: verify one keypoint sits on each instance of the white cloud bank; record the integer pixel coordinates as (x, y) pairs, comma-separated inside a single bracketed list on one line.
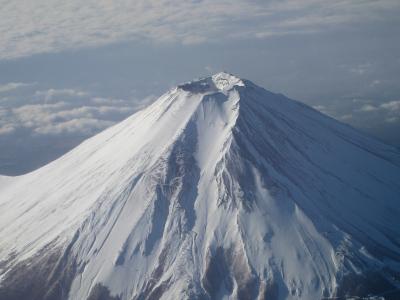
[(39, 26), (59, 112), (365, 114)]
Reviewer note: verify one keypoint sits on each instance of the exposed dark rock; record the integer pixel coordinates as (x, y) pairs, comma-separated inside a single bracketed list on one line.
[(216, 278), (268, 291), (367, 285), (100, 292), (150, 290), (46, 276), (157, 293)]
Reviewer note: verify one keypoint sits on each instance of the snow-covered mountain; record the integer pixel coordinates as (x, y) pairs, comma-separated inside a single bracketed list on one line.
[(218, 190)]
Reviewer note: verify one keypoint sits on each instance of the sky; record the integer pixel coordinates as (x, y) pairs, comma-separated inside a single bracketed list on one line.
[(69, 69)]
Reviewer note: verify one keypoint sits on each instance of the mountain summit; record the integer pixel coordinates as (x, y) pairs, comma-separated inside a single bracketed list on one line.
[(218, 190)]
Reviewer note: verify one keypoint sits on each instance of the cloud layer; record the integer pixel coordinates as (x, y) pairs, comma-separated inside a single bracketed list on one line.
[(40, 26), (39, 123), (59, 112)]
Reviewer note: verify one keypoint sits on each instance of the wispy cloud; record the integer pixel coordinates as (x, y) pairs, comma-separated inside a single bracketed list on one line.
[(39, 123), (393, 106), (361, 69), (368, 107), (364, 114), (388, 111), (379, 120), (6, 129), (61, 111), (30, 27), (11, 86)]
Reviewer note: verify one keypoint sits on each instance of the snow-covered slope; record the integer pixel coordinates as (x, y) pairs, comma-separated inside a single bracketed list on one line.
[(218, 190)]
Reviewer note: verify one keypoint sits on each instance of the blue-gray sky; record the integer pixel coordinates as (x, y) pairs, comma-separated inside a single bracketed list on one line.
[(69, 69)]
